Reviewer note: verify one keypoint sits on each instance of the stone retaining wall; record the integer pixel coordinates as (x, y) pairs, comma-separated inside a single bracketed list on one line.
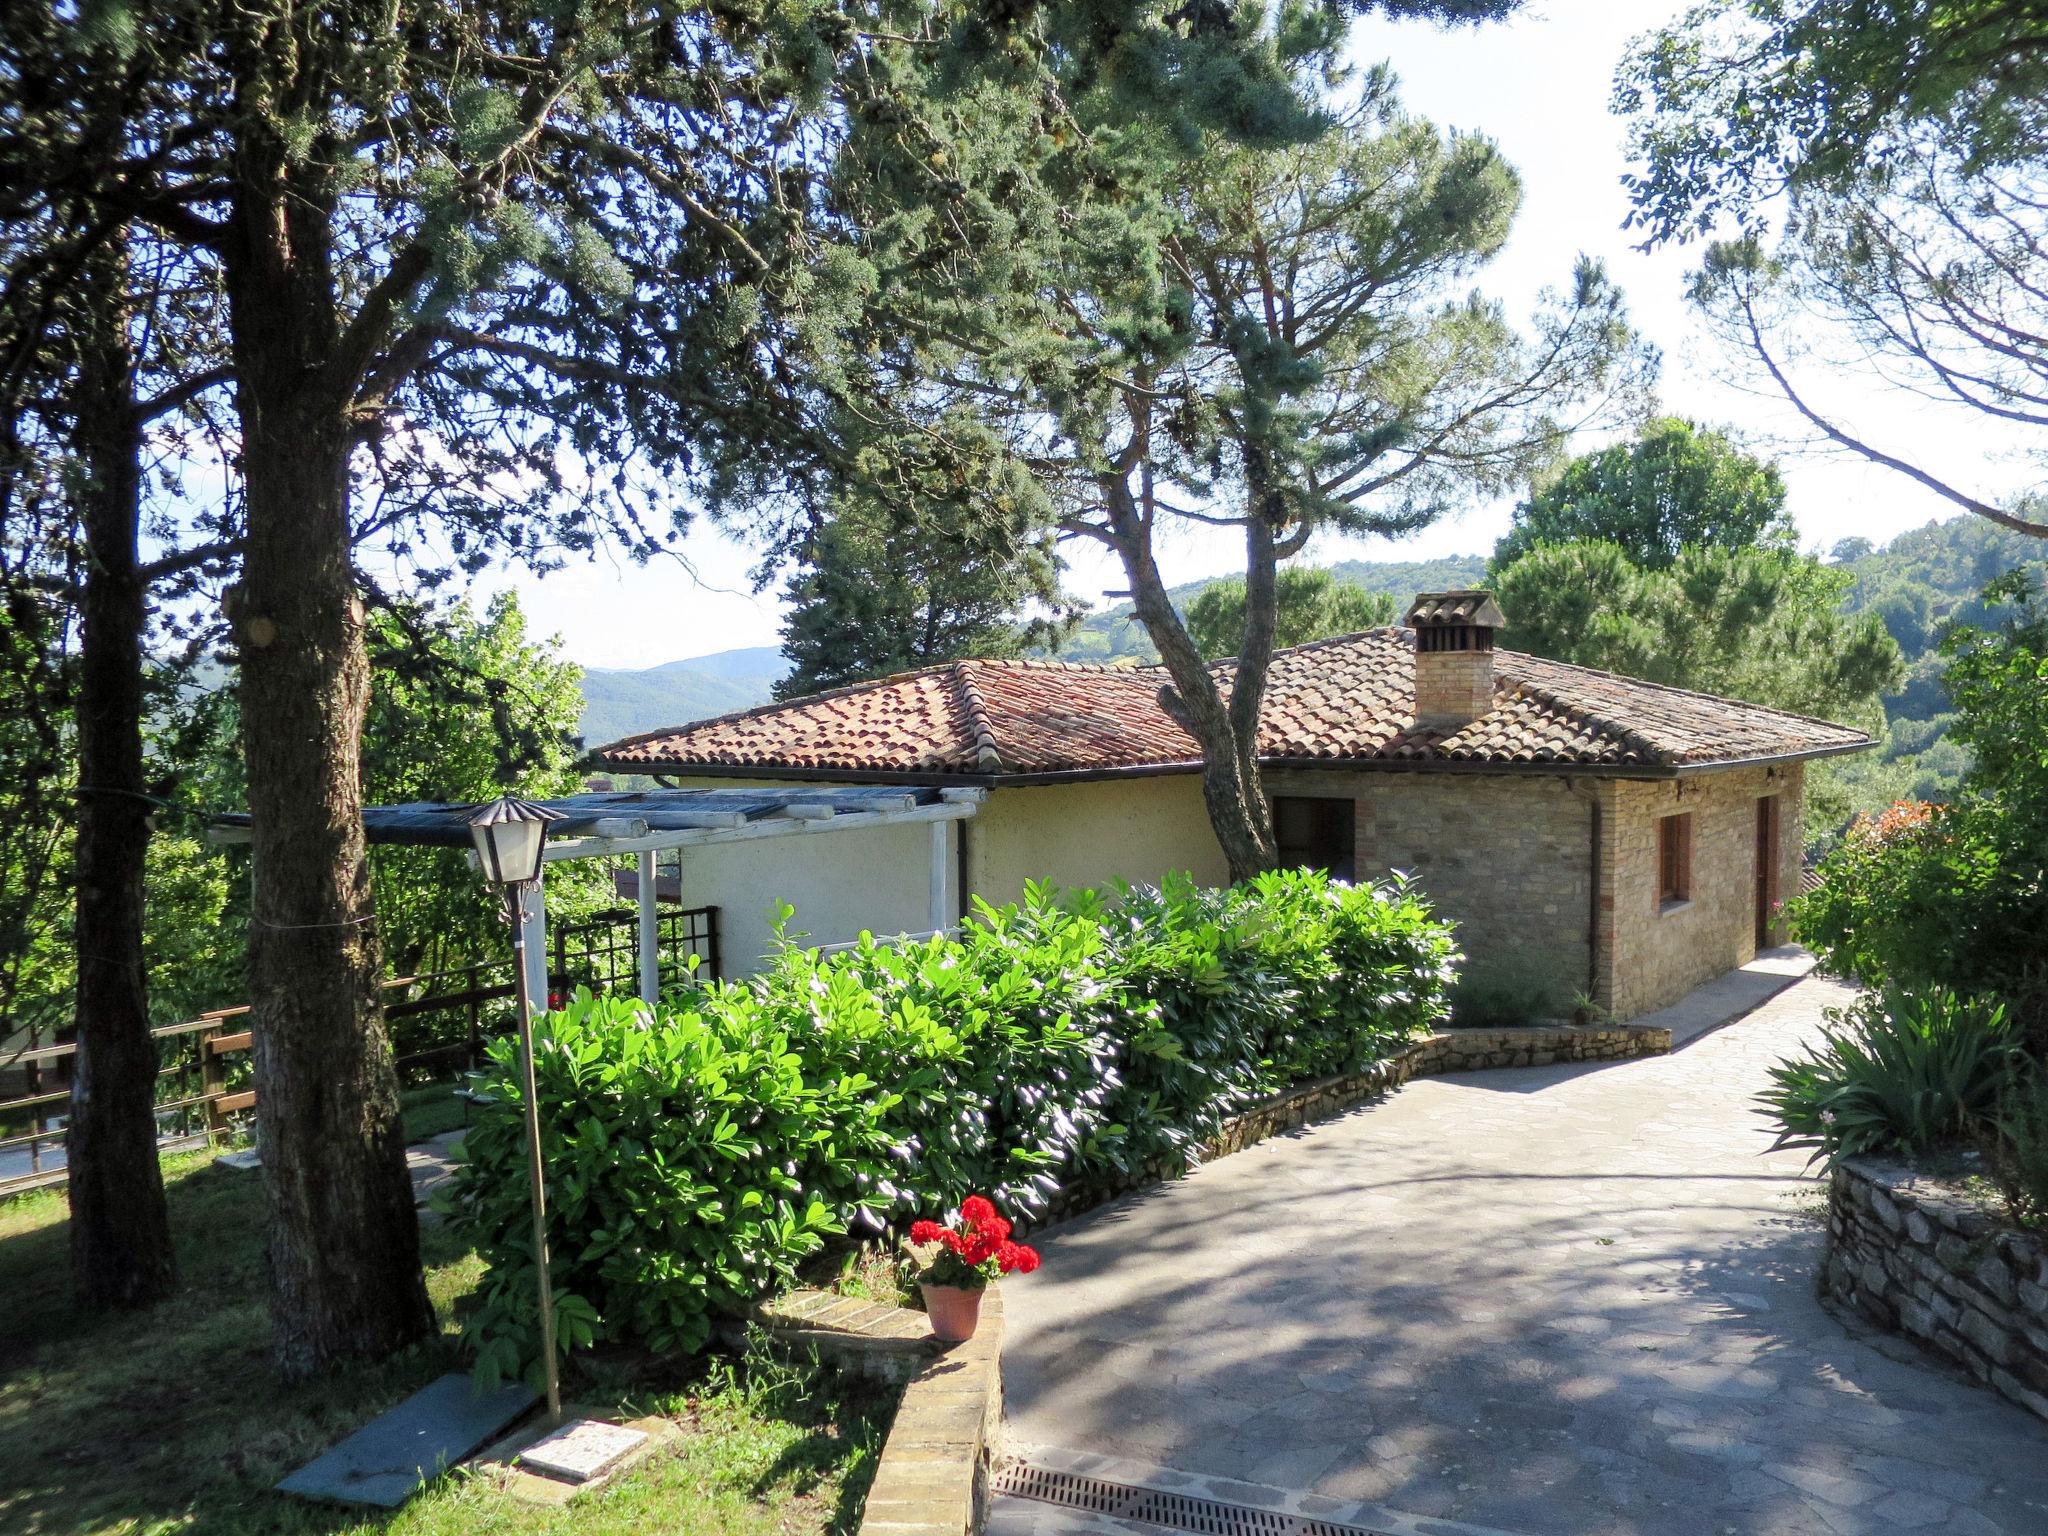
[(1913, 1259), (1451, 1050)]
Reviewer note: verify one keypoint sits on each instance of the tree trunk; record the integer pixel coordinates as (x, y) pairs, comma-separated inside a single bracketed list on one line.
[(121, 1254), (1231, 790), (344, 1238)]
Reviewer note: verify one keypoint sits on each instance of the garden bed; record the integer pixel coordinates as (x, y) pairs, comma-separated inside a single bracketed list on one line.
[(170, 1420), (1931, 1260)]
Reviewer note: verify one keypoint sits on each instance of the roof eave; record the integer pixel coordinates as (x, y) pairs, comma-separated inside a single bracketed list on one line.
[(1766, 759), (1534, 767)]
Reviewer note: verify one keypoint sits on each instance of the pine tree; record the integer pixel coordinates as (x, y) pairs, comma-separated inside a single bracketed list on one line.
[(884, 592), (1309, 603), (1267, 330), (503, 282)]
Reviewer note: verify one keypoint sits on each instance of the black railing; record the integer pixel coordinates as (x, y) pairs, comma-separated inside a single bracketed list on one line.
[(605, 951)]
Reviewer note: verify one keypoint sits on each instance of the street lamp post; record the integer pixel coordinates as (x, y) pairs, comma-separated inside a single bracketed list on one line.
[(510, 836)]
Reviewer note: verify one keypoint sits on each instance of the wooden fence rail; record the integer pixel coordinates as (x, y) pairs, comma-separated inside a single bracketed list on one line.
[(200, 1049)]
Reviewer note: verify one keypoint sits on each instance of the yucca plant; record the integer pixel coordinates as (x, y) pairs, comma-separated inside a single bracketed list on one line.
[(1895, 1071)]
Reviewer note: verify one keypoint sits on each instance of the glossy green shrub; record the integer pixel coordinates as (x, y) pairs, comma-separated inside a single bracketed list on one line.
[(698, 1152), (1239, 993), (999, 1047), (1902, 1072), (684, 1148)]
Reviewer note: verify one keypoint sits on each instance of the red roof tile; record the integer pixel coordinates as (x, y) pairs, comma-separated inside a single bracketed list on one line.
[(1350, 699)]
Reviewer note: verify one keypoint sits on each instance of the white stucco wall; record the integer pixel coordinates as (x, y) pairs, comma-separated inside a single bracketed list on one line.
[(879, 880), (840, 883), (876, 879), (1139, 829)]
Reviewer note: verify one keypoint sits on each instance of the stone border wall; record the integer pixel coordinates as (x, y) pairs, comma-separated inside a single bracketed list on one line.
[(932, 1478), (1941, 1271), (1450, 1050)]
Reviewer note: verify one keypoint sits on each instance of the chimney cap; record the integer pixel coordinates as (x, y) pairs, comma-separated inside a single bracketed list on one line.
[(1474, 608)]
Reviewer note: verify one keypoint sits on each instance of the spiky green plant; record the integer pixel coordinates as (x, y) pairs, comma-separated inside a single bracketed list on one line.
[(1896, 1071)]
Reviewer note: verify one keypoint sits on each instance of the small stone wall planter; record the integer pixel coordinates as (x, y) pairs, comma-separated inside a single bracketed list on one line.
[(1911, 1256), (933, 1475)]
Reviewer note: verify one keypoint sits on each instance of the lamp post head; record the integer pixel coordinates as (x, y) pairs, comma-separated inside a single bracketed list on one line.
[(510, 835)]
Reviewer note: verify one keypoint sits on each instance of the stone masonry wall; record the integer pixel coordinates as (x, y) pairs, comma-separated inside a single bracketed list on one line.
[(1452, 688), (1509, 859), (1943, 1273), (1657, 955)]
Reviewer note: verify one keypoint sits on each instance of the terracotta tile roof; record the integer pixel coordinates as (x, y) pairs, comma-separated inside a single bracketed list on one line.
[(1350, 699), (1455, 608)]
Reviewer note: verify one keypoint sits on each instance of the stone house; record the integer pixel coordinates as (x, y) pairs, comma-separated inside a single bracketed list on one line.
[(1592, 834)]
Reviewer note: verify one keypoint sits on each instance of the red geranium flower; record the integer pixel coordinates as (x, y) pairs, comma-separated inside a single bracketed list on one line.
[(976, 1251)]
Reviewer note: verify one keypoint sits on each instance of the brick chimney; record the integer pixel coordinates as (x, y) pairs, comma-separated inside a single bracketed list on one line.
[(1453, 657)]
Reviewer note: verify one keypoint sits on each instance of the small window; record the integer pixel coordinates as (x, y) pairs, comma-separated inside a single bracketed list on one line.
[(1674, 861), (1315, 834)]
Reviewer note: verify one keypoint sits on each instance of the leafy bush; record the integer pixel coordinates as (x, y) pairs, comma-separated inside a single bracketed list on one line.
[(698, 1152), (1895, 1072), (2016, 1146), (1956, 896), (683, 1149), (1232, 995)]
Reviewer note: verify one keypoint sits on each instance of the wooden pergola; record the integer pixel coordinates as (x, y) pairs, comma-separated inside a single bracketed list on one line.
[(643, 824)]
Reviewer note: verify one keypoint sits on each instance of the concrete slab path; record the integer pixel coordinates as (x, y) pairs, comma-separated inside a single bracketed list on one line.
[(1561, 1301)]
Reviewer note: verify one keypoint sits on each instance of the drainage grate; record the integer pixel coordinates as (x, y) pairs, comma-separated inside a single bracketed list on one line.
[(1155, 1506)]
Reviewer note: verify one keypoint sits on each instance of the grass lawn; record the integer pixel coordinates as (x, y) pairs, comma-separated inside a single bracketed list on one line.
[(430, 1109), (170, 1421)]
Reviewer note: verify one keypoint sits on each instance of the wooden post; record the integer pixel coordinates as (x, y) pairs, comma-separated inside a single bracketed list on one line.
[(32, 1079), (210, 1083), (650, 933)]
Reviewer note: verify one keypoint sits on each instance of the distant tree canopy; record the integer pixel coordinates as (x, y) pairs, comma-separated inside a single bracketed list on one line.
[(1762, 624), (1675, 484), (1671, 558), (1312, 602), (886, 590)]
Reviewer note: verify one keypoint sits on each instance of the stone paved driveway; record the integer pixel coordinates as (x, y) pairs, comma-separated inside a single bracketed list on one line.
[(1564, 1301)]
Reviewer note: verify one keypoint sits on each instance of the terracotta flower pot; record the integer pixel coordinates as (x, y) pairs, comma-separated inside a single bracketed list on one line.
[(955, 1313)]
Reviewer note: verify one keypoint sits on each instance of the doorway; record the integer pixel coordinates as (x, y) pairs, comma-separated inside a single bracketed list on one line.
[(1766, 868)]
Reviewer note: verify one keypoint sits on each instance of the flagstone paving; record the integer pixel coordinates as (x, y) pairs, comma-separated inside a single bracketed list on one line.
[(1563, 1301)]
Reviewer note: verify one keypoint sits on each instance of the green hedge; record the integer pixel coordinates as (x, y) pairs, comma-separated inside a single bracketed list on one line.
[(698, 1152)]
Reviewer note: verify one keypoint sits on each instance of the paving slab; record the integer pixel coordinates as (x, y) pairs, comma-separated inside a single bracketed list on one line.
[(432, 1163), (390, 1458), (1559, 1301)]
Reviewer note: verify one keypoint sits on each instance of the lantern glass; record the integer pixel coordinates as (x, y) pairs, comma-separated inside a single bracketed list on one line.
[(509, 850)]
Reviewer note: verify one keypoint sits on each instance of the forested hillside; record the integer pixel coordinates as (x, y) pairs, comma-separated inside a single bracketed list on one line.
[(619, 701), (1920, 581)]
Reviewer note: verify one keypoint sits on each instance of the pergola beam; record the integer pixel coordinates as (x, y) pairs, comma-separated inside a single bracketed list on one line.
[(640, 825), (697, 837)]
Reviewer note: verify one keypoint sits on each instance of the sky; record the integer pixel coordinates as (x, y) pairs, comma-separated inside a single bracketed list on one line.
[(1538, 86)]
